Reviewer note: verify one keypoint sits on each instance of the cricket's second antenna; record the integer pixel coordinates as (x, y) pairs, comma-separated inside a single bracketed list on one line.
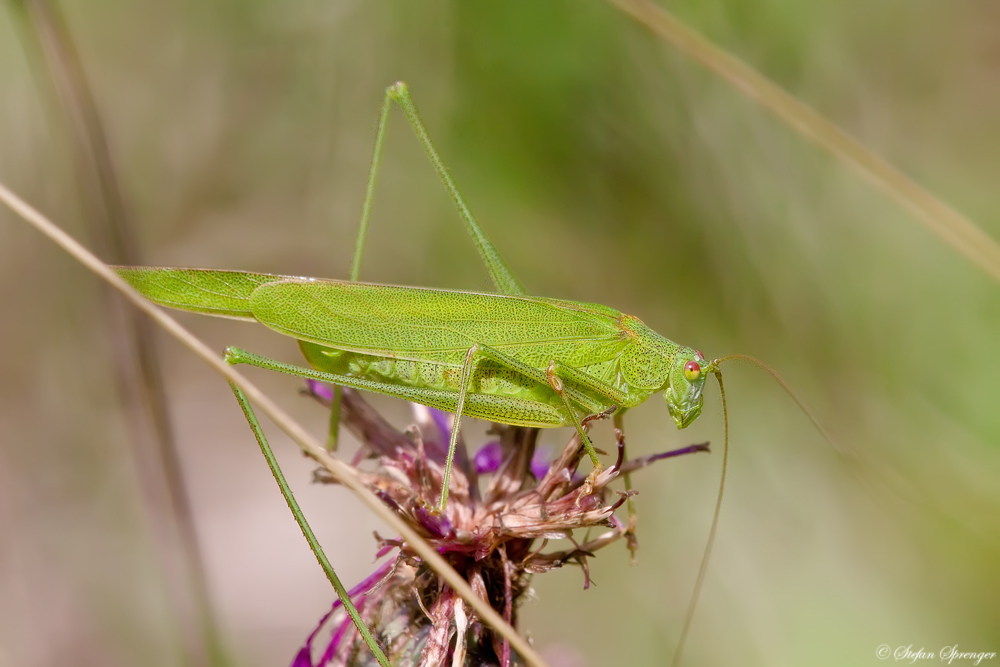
[(703, 568)]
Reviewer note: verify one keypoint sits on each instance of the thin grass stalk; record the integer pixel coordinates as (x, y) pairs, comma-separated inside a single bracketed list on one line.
[(948, 224)]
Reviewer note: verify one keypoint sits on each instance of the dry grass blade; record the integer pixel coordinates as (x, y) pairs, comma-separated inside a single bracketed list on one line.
[(344, 473), (950, 225)]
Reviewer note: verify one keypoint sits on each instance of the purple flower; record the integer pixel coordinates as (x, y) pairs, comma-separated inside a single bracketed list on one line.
[(488, 458), (540, 462), (320, 389), (304, 657)]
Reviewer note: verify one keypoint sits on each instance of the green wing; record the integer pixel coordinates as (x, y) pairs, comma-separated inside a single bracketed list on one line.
[(407, 322), (419, 324), (208, 291)]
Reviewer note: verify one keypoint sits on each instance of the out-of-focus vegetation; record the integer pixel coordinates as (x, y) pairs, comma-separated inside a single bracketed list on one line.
[(606, 168)]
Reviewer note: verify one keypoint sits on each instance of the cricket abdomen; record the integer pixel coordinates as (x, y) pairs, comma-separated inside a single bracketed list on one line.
[(497, 394)]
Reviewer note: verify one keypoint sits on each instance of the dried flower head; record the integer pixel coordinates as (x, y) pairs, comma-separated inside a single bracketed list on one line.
[(495, 533)]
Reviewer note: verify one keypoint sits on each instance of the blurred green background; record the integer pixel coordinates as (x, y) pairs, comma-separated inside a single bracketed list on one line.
[(606, 168)]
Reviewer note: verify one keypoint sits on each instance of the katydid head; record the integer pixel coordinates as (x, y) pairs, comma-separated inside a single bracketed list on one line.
[(684, 385)]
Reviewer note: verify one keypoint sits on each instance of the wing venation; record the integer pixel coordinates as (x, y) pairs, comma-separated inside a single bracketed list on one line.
[(207, 291), (404, 321)]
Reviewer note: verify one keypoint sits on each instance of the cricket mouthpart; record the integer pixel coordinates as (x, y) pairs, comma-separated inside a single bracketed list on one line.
[(682, 391)]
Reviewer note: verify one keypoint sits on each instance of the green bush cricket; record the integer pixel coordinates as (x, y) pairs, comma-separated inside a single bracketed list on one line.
[(506, 357)]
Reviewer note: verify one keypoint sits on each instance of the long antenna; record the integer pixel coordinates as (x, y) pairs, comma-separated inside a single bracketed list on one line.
[(689, 615), (788, 390), (714, 367)]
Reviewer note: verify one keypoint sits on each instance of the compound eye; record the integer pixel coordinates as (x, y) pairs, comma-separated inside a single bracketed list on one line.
[(692, 371)]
